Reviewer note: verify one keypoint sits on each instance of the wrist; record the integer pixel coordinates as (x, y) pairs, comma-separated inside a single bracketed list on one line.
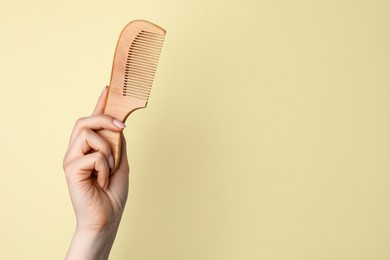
[(96, 229), (92, 242)]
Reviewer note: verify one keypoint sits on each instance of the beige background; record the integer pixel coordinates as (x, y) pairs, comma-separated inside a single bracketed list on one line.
[(267, 135)]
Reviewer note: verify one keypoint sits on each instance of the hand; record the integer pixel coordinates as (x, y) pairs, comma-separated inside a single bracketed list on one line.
[(98, 199)]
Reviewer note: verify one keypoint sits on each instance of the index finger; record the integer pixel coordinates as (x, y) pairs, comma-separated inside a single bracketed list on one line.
[(101, 103)]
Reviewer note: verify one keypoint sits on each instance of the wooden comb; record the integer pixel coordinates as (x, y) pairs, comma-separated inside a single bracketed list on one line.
[(135, 62)]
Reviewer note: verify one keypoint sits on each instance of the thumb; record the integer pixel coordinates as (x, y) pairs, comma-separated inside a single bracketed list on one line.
[(123, 170), (101, 103), (120, 179)]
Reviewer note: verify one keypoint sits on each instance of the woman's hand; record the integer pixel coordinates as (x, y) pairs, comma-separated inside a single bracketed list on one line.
[(98, 199)]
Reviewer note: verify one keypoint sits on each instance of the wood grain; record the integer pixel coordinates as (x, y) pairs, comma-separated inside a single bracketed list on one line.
[(119, 104)]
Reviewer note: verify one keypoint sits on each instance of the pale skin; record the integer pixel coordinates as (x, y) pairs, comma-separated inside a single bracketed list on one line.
[(98, 199)]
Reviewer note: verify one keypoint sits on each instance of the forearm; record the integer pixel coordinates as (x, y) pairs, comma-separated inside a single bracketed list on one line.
[(91, 244)]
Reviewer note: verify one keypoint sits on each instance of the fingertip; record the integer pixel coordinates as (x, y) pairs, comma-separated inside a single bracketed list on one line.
[(104, 90), (118, 123), (101, 103)]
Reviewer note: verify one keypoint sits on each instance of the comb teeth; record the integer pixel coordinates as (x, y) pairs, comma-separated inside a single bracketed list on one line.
[(141, 64)]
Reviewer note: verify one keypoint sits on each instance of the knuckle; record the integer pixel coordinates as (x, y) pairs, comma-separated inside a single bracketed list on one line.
[(67, 169), (84, 132), (79, 122), (64, 164), (99, 156)]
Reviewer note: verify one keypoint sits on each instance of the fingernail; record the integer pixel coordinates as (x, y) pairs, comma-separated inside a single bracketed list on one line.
[(111, 162), (118, 123), (104, 89)]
